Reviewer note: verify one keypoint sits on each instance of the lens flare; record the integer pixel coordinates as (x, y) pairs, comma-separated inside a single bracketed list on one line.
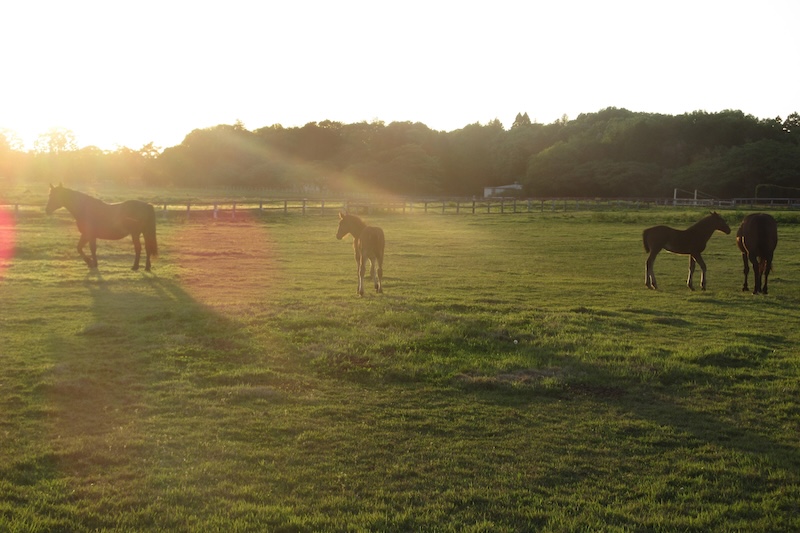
[(225, 265), (7, 231)]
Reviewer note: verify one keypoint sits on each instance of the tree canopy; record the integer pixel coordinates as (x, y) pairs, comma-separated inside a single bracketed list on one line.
[(611, 153)]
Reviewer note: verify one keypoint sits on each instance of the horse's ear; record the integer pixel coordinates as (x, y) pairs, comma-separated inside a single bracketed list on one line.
[(341, 215)]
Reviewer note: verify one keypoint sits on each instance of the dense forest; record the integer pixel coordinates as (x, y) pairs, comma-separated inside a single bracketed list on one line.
[(611, 153)]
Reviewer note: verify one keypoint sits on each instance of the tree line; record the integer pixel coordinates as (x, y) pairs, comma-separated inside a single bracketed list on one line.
[(611, 153)]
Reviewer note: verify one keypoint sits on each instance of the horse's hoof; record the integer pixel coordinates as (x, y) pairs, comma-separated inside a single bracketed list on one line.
[(745, 288)]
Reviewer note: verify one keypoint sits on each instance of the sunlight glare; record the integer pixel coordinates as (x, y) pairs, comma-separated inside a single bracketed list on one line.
[(6, 238)]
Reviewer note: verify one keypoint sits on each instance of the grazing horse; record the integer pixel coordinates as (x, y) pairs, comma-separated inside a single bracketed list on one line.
[(757, 238), (368, 244), (99, 220), (691, 241)]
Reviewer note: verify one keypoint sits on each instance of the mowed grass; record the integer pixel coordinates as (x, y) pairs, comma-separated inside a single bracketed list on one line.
[(515, 375)]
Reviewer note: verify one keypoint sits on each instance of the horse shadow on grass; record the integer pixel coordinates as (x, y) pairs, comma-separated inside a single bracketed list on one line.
[(145, 357), (659, 403)]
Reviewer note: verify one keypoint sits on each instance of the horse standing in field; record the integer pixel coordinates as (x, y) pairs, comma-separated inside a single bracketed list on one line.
[(691, 241), (757, 238), (368, 244), (99, 220)]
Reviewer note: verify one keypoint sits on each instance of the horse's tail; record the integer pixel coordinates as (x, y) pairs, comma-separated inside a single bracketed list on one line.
[(150, 242), (644, 241)]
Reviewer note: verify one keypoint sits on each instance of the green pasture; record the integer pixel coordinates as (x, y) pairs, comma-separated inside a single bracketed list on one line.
[(516, 375)]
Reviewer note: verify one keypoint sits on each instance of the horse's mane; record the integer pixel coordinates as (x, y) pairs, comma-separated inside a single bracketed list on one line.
[(83, 196), (705, 220), (356, 219)]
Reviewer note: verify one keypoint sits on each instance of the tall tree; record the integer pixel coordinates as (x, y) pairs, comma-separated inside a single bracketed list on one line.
[(56, 141), (522, 120)]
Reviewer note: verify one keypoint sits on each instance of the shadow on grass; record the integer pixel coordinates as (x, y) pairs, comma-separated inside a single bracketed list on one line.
[(119, 402), (662, 405)]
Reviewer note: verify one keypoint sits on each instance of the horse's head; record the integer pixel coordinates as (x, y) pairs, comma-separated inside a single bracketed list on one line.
[(349, 224), (344, 225), (56, 199), (720, 224)]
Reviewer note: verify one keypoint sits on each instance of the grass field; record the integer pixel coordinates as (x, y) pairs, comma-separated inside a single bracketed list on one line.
[(516, 375)]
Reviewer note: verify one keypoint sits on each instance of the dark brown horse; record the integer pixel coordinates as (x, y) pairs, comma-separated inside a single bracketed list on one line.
[(368, 244), (691, 242), (99, 220), (757, 238)]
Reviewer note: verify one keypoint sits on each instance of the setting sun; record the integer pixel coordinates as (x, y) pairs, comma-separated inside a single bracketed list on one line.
[(127, 74)]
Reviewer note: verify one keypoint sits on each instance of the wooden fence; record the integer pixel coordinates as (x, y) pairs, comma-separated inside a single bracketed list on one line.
[(232, 209)]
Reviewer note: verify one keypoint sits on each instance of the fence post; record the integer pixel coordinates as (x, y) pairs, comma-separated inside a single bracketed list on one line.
[(285, 207), (215, 211), (322, 206), (233, 211), (473, 206), (188, 207), (426, 206), (261, 206)]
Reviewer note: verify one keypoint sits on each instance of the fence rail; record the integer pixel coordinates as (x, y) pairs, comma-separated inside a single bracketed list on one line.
[(234, 209)]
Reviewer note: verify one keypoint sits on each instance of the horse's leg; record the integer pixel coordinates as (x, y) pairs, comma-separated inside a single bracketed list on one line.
[(691, 273), (81, 243), (379, 284), (147, 252), (93, 249), (372, 272), (649, 274), (362, 269), (767, 268), (746, 262), (756, 273), (702, 271), (137, 248)]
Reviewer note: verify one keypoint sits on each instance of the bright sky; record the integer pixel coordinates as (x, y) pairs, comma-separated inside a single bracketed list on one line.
[(126, 73)]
